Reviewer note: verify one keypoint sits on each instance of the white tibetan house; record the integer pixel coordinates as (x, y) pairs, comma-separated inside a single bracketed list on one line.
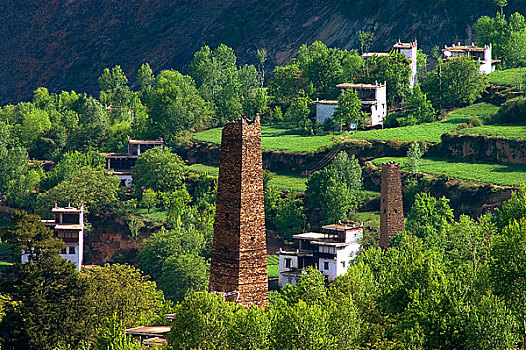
[(329, 252)]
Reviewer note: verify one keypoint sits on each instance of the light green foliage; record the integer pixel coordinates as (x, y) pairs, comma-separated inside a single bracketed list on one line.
[(421, 63), (507, 37), (508, 267), (414, 154), (160, 170), (112, 336), (310, 289), (114, 92), (21, 191), (71, 163), (149, 199), (175, 105), (454, 83), (201, 322), (512, 132), (92, 129), (175, 260), (289, 217), (94, 188), (429, 216), (335, 189), (349, 110), (184, 274), (250, 329), (121, 291), (365, 39), (418, 108), (299, 113), (514, 209), (230, 89), (500, 174)]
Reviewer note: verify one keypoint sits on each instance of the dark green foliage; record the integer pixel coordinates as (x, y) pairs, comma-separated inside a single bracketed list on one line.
[(418, 109), (45, 297), (514, 209), (512, 112), (349, 110)]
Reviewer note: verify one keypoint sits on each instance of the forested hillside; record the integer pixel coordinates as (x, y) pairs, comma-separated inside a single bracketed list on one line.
[(64, 44)]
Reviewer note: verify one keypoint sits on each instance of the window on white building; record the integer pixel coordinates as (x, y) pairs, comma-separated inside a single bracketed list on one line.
[(326, 265), (72, 250), (288, 263), (343, 263)]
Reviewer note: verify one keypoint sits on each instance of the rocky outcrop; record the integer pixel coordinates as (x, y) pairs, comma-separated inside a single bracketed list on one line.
[(488, 149)]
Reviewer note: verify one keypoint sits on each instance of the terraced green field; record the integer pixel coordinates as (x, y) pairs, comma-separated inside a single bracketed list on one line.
[(273, 266), (278, 138), (507, 131), (499, 174), (285, 182), (508, 77)]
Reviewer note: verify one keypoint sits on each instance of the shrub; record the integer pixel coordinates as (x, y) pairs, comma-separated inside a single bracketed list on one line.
[(474, 122), (512, 112)]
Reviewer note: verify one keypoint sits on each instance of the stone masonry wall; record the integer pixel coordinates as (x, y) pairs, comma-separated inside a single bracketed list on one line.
[(391, 203), (239, 259)]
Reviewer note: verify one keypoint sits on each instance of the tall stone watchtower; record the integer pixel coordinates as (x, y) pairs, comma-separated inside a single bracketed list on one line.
[(239, 258), (391, 205)]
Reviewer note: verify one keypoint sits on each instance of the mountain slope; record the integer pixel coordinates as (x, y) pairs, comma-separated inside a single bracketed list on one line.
[(65, 44)]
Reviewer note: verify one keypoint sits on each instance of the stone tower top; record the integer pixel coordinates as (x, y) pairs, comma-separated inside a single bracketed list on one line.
[(391, 204), (239, 258)]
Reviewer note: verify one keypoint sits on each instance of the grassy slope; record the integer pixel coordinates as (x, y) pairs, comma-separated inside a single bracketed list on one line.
[(291, 140), (508, 77), (500, 174), (286, 182), (507, 131), (273, 266)]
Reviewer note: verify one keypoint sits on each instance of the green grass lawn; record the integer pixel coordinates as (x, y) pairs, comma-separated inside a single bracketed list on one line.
[(508, 77), (500, 174), (507, 131), (277, 138), (273, 266), (285, 182), (155, 214)]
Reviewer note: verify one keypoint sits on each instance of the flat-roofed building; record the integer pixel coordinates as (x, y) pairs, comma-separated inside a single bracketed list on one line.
[(68, 225), (329, 251), (480, 54)]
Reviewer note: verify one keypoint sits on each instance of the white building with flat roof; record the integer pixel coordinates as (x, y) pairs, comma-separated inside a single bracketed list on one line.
[(410, 51), (373, 97), (329, 251), (68, 225), (480, 54)]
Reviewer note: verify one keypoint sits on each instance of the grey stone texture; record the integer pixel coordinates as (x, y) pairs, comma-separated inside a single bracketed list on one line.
[(239, 258)]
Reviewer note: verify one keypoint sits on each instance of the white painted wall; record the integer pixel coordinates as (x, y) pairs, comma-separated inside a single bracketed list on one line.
[(127, 179), (379, 111), (282, 281), (411, 54)]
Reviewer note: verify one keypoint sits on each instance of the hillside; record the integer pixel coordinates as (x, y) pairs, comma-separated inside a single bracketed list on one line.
[(64, 44)]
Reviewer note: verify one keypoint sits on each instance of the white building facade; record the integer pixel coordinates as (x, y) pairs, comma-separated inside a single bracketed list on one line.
[(329, 251), (480, 54), (68, 225), (374, 102), (410, 51)]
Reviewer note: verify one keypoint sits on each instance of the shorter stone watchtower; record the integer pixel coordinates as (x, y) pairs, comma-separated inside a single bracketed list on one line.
[(391, 205)]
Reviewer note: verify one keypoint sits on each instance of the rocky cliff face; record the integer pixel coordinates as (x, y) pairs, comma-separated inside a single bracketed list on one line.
[(65, 44)]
